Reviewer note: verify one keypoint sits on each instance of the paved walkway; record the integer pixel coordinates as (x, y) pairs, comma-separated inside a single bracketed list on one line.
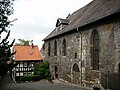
[(40, 85)]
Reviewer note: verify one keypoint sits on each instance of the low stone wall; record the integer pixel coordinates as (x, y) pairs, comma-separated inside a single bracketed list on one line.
[(88, 83), (76, 76), (66, 77), (94, 74)]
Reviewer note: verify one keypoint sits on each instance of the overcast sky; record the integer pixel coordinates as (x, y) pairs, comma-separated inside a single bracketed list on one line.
[(37, 18)]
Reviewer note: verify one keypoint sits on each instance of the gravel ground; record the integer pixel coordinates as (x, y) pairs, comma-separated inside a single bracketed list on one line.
[(8, 84)]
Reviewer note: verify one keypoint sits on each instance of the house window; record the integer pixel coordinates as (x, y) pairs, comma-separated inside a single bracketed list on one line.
[(64, 47), (55, 48), (25, 64), (21, 64), (95, 50), (29, 64), (49, 49)]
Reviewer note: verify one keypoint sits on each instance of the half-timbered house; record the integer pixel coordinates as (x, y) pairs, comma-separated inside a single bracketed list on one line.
[(25, 57)]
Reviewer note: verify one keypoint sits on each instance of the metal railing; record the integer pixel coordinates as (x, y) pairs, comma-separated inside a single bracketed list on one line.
[(111, 81)]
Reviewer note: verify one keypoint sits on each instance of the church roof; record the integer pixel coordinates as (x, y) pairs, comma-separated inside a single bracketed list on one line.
[(94, 11), (62, 21)]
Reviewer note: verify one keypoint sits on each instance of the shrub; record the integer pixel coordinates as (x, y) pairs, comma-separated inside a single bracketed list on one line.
[(42, 70), (30, 78)]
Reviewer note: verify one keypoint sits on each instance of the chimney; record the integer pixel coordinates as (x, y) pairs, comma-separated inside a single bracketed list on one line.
[(32, 46)]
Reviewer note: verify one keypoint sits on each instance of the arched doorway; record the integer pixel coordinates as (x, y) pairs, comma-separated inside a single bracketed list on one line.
[(56, 72), (76, 74)]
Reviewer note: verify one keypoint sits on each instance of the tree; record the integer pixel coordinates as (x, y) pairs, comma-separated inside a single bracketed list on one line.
[(6, 62), (6, 10), (42, 70), (24, 42)]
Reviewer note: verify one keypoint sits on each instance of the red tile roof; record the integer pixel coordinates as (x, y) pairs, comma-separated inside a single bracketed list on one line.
[(26, 53)]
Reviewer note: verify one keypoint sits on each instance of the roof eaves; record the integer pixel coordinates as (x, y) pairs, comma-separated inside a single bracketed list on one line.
[(78, 26)]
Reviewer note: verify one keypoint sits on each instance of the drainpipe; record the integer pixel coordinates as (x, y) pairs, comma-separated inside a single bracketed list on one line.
[(80, 42)]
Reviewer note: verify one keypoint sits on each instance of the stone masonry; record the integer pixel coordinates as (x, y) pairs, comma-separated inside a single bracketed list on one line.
[(109, 34)]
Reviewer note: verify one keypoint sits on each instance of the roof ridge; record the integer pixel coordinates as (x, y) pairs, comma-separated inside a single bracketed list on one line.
[(93, 11)]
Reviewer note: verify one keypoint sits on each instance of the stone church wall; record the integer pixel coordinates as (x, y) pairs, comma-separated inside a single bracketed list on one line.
[(109, 53), (64, 63)]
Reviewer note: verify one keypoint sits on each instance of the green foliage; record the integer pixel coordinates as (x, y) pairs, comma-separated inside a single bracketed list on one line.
[(42, 70), (24, 42), (30, 78), (6, 62), (6, 10)]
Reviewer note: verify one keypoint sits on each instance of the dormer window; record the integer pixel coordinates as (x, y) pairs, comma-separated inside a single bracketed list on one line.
[(61, 23)]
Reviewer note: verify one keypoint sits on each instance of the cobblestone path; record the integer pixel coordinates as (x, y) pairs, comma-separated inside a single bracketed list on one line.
[(40, 85)]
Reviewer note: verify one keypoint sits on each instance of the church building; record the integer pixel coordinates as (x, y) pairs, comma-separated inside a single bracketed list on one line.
[(86, 44)]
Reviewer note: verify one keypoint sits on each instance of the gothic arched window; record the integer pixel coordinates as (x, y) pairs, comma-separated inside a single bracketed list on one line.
[(64, 47), (55, 48), (95, 50), (49, 49)]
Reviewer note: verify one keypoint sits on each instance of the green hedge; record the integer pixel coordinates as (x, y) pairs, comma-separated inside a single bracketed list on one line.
[(30, 78), (42, 70)]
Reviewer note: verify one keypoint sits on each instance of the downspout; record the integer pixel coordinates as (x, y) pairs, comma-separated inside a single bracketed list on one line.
[(80, 42)]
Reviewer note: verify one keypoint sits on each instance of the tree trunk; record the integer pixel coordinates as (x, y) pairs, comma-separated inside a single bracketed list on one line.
[(1, 82)]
